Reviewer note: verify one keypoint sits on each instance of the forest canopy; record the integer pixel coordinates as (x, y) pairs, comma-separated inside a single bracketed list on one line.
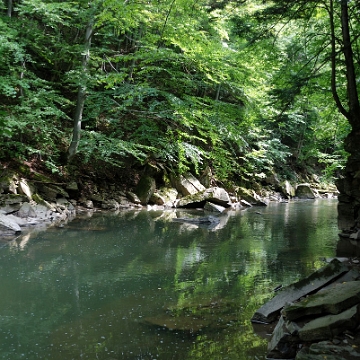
[(245, 88)]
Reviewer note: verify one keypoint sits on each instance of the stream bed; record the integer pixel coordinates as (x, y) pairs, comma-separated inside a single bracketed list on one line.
[(137, 285)]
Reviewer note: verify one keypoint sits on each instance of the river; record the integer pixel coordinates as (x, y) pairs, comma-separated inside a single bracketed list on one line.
[(136, 285)]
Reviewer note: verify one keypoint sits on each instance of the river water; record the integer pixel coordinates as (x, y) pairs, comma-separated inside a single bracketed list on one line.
[(136, 285)]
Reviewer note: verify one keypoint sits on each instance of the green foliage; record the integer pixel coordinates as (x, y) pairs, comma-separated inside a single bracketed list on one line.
[(186, 84)]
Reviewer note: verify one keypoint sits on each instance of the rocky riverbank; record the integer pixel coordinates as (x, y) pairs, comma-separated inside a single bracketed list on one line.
[(317, 317), (41, 201)]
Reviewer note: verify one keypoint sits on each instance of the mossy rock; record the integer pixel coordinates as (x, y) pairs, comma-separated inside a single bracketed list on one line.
[(145, 189)]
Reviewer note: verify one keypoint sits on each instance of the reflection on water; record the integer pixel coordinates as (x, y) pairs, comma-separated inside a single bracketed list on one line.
[(135, 285)]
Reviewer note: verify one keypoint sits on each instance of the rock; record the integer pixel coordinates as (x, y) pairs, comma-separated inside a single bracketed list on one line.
[(270, 310), (329, 301), (26, 210), (327, 350), (287, 189), (145, 188), (8, 209), (23, 222), (89, 204), (51, 192), (284, 341), (8, 226), (97, 198), (187, 184), (326, 327), (214, 195), (8, 184), (72, 186), (164, 196), (303, 191), (110, 205), (44, 211), (26, 189), (10, 199), (213, 207), (250, 196), (132, 197), (245, 203), (272, 180), (206, 177), (157, 199)]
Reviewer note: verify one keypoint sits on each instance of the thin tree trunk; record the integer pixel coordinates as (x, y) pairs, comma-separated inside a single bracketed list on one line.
[(9, 8), (81, 94)]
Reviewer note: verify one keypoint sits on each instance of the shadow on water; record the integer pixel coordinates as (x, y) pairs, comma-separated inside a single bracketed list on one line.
[(138, 285)]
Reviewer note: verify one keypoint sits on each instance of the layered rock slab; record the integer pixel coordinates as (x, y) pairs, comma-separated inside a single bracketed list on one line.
[(330, 301), (270, 310), (326, 327)]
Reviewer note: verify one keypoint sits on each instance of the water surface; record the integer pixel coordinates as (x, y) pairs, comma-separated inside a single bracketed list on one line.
[(104, 286)]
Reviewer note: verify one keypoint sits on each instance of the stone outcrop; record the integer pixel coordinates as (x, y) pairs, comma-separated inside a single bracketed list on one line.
[(319, 315)]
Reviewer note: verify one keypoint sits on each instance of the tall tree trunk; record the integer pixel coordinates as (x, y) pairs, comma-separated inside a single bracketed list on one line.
[(81, 94), (349, 185), (352, 93)]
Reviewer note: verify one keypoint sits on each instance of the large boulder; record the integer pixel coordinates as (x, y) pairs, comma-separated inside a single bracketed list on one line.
[(26, 210), (8, 226), (304, 191), (164, 196), (250, 197), (187, 184), (287, 189), (145, 188), (214, 195)]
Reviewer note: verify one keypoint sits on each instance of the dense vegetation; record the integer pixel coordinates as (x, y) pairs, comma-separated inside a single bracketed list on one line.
[(245, 88)]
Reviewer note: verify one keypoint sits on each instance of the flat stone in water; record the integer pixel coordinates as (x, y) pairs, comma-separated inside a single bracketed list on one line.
[(270, 310), (326, 327), (330, 301)]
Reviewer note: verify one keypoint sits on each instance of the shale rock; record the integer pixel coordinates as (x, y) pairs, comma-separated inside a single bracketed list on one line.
[(330, 301), (270, 310)]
